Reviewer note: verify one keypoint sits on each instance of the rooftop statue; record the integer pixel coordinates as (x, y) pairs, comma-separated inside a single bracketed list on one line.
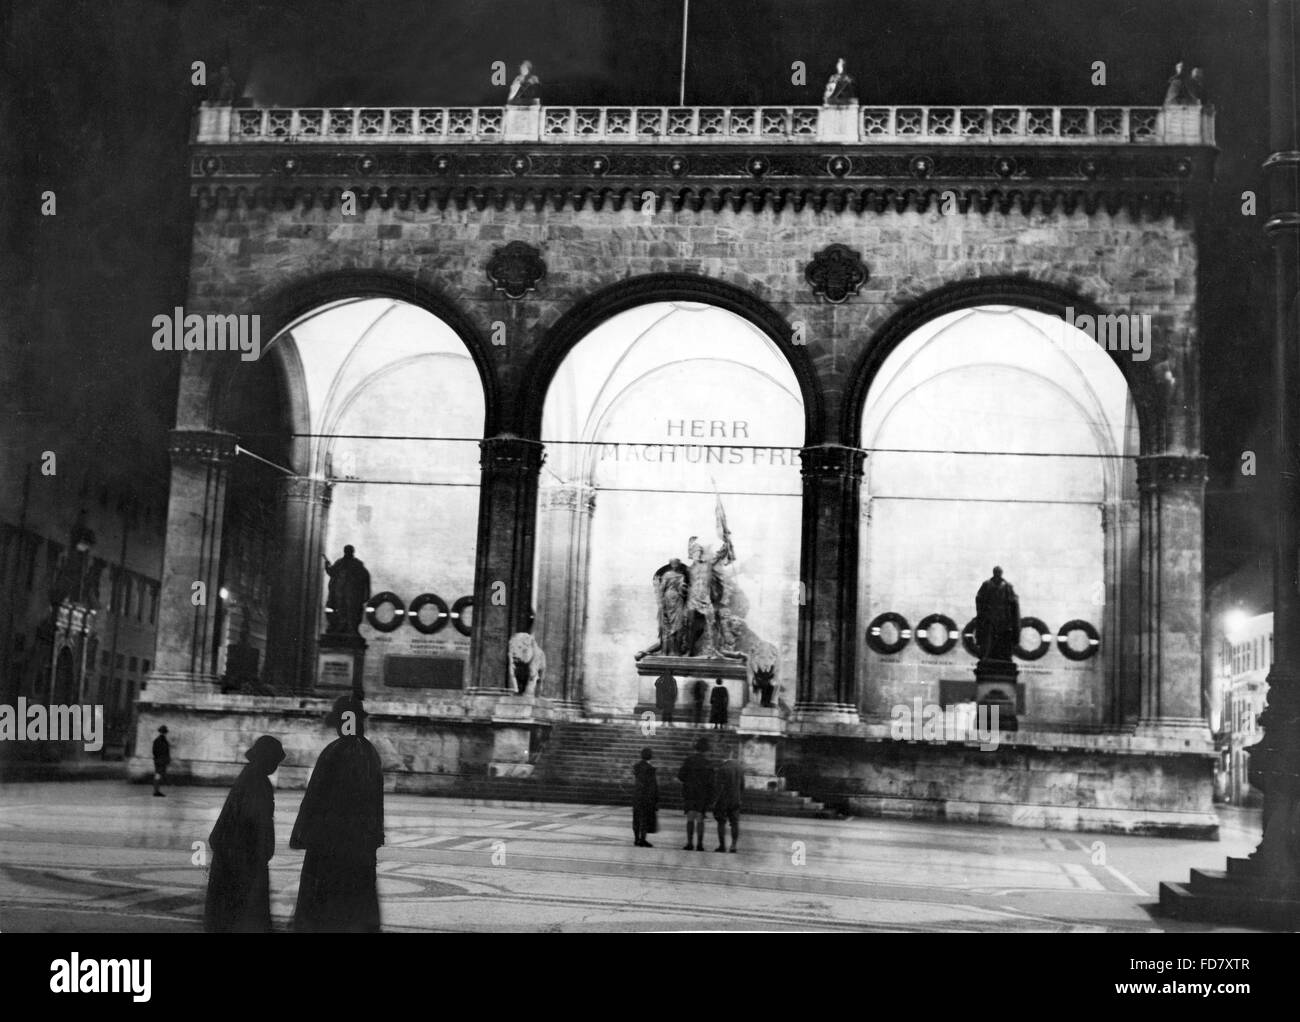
[(526, 89), (840, 88), (1177, 91)]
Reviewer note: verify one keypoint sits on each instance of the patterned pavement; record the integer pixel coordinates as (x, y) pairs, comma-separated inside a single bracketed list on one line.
[(104, 856)]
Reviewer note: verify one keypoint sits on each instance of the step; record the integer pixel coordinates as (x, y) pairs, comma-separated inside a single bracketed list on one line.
[(1241, 907), (1243, 867)]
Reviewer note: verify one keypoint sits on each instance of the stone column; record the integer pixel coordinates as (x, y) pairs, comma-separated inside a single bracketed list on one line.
[(564, 552), (195, 517), (828, 569), (503, 565), (1172, 499), (303, 510), (1275, 760)]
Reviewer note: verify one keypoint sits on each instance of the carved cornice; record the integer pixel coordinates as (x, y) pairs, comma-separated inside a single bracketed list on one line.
[(1166, 471), (201, 446), (1156, 181), (831, 461)]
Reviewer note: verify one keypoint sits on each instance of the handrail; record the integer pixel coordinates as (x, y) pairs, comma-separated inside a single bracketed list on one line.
[(1189, 124)]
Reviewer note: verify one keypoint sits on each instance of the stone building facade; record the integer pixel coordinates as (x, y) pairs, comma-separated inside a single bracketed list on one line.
[(835, 237)]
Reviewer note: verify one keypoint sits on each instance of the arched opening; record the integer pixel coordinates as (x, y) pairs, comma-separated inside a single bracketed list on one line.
[(1000, 435), (359, 427), (660, 423)]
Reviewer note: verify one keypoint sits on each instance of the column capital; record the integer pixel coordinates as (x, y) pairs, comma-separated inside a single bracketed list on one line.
[(1170, 471), (511, 453), (829, 460), (306, 490), (201, 446), (570, 497)]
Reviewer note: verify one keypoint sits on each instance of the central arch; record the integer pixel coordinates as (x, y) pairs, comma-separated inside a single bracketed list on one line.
[(586, 316)]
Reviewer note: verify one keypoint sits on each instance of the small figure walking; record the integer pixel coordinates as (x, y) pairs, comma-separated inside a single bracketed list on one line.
[(645, 800), (726, 809), (162, 757), (719, 699), (242, 843), (666, 696), (697, 793)]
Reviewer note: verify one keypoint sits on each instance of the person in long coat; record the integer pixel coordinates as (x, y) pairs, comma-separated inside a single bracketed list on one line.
[(696, 776), (645, 800), (719, 699), (242, 843), (340, 826)]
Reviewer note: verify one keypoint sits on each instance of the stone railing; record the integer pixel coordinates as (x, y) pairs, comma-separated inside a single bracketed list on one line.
[(931, 125)]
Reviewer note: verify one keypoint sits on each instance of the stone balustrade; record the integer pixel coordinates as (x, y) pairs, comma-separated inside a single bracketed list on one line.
[(648, 125)]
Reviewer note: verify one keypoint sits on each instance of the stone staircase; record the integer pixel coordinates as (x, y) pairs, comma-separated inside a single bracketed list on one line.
[(592, 763), (1232, 896)]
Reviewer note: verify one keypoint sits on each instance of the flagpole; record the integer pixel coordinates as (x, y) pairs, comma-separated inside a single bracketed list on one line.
[(681, 91)]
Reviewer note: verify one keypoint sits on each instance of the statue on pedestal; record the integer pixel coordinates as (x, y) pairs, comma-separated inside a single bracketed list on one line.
[(527, 662), (525, 90), (700, 607), (840, 89), (1177, 92), (349, 589), (997, 619)]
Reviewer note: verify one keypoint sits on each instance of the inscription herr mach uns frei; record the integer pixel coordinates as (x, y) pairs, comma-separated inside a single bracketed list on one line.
[(679, 449)]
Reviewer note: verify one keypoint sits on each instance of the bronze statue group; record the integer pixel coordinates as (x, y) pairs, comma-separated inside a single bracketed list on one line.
[(340, 827)]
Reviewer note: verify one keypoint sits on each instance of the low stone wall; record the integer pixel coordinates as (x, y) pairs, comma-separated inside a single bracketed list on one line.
[(426, 747), (1108, 783), (1159, 783)]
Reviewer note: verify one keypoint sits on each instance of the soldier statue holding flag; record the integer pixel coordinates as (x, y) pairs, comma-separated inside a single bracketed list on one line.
[(708, 602), (696, 617)]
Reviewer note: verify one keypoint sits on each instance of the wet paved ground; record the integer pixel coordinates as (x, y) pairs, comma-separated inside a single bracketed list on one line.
[(104, 856)]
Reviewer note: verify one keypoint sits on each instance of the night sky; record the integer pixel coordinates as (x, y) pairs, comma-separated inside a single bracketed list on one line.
[(95, 98)]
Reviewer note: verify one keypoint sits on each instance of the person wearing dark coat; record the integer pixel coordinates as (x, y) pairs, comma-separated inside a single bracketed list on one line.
[(645, 800), (730, 785), (699, 688), (696, 776), (666, 696), (242, 843), (162, 757), (719, 698), (340, 825)]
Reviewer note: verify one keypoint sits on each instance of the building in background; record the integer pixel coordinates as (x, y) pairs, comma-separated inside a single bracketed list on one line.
[(80, 570), (1239, 654)]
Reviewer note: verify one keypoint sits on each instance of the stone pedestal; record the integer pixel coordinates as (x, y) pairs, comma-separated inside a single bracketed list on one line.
[(838, 124), (996, 686), (214, 121), (523, 123), (761, 729), (340, 663), (687, 669)]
